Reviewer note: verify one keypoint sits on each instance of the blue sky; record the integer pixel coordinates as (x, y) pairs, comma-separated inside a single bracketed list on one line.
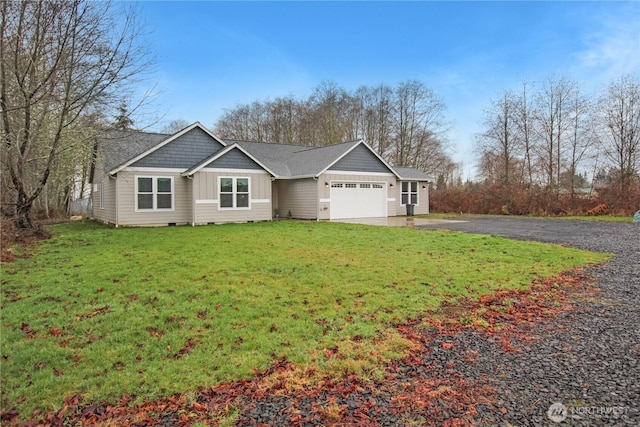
[(215, 55)]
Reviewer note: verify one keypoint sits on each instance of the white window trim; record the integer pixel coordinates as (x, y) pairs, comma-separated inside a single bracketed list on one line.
[(234, 193), (154, 191), (409, 193)]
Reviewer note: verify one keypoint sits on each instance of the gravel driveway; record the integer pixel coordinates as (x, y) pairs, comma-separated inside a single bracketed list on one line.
[(588, 359)]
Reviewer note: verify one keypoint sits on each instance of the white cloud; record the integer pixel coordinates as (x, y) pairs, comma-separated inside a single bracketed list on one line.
[(611, 49)]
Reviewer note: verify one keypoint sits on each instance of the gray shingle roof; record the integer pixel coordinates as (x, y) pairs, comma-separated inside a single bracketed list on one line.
[(284, 160), (118, 147), (293, 161), (411, 173)]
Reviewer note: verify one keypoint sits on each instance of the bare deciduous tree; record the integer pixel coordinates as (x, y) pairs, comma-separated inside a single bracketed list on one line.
[(175, 126), (580, 138), (60, 60), (499, 143), (524, 122), (420, 122), (404, 125), (378, 113), (553, 108), (619, 119)]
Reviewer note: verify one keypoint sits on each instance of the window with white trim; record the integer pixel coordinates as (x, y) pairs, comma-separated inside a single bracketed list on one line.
[(234, 192), (154, 193), (409, 192)]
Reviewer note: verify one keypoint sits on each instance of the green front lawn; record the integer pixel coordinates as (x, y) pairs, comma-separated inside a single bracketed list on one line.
[(154, 311)]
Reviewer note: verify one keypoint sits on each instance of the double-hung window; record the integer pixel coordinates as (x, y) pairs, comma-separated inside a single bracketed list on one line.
[(154, 193), (234, 193), (409, 192)]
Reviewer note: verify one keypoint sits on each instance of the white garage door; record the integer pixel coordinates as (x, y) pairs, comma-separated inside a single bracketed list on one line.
[(358, 200)]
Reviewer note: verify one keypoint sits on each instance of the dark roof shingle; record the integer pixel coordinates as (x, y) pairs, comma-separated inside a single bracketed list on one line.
[(118, 147)]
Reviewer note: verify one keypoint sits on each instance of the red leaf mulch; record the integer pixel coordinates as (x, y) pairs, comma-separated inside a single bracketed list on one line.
[(12, 237), (433, 385)]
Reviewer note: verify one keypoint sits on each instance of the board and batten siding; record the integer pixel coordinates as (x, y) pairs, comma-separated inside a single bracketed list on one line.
[(298, 197), (182, 205), (325, 192), (205, 192)]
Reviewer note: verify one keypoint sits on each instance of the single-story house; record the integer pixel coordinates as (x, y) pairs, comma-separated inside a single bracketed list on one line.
[(194, 177)]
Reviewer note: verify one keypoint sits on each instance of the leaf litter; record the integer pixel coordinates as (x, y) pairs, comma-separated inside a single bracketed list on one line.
[(430, 386)]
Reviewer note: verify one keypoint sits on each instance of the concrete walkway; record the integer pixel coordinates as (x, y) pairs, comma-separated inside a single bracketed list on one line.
[(398, 221)]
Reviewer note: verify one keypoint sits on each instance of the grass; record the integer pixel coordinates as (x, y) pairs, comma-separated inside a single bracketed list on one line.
[(155, 311)]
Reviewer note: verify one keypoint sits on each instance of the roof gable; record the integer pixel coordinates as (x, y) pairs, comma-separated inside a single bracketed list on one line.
[(231, 157), (361, 159), (180, 150)]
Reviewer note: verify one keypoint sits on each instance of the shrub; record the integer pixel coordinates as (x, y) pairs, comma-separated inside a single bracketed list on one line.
[(601, 209)]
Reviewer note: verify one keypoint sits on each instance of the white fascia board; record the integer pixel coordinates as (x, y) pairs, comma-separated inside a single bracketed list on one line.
[(165, 142), (429, 179), (296, 177), (225, 170), (152, 169)]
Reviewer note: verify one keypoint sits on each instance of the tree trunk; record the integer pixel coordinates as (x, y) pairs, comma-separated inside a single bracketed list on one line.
[(22, 217)]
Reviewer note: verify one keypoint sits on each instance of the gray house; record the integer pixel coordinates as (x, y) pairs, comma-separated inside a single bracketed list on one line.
[(194, 177)]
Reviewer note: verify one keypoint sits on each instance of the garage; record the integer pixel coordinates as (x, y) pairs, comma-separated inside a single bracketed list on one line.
[(358, 200)]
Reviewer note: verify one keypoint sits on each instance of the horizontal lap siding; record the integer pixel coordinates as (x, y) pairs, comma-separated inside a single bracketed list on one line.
[(205, 185), (423, 198), (300, 197), (325, 192), (422, 208), (209, 213), (127, 215), (106, 193)]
